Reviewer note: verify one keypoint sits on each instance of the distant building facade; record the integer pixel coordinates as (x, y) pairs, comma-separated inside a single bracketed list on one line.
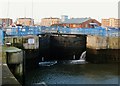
[(111, 22), (5, 22), (49, 21), (25, 21), (79, 22), (64, 18)]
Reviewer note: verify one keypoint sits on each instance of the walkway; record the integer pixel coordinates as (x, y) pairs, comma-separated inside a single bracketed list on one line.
[(6, 77)]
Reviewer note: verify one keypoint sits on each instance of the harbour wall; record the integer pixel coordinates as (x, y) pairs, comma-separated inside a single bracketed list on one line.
[(64, 47), (102, 42), (103, 49)]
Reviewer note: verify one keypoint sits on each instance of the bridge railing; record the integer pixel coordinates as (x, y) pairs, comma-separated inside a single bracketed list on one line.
[(22, 31), (91, 31), (86, 31), (35, 30)]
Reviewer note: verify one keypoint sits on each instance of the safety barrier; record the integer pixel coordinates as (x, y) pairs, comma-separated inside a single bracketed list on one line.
[(35, 30)]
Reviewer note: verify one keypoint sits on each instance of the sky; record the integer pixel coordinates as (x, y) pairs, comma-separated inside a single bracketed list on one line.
[(37, 9)]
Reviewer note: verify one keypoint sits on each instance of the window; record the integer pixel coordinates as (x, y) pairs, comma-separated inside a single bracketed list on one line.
[(86, 25), (74, 25)]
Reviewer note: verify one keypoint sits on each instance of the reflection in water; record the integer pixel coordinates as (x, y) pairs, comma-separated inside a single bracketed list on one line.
[(74, 74)]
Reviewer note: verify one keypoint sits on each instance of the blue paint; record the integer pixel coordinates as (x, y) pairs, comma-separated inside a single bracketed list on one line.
[(1, 37), (35, 30)]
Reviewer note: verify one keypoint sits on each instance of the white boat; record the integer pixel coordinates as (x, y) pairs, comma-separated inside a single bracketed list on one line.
[(47, 63), (78, 62)]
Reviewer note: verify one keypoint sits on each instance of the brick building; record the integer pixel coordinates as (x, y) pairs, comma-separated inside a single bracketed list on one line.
[(79, 22), (49, 21), (25, 21), (111, 22), (5, 22)]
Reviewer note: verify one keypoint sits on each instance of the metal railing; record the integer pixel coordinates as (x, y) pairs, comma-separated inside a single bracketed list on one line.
[(35, 30)]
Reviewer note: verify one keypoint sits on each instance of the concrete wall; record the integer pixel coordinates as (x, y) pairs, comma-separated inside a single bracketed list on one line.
[(96, 42), (99, 42), (31, 45), (114, 42), (22, 42), (0, 65), (15, 58)]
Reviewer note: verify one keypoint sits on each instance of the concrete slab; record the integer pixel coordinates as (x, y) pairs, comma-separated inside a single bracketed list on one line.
[(7, 77)]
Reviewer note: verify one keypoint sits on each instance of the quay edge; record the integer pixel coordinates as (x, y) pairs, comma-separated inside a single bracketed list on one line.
[(103, 49)]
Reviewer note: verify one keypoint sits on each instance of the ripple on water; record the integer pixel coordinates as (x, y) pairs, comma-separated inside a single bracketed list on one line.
[(75, 74)]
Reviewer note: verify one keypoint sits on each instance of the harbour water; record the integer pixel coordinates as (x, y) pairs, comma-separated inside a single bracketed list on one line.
[(74, 74)]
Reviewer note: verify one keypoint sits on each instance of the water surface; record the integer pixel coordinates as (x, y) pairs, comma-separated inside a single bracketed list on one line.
[(74, 74)]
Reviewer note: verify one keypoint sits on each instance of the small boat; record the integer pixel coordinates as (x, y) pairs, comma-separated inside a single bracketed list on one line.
[(47, 63), (78, 62)]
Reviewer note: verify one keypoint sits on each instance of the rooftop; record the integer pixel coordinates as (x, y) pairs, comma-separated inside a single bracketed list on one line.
[(4, 18), (76, 20), (24, 18), (51, 18)]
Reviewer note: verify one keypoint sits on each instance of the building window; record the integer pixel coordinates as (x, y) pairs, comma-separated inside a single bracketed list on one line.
[(74, 25)]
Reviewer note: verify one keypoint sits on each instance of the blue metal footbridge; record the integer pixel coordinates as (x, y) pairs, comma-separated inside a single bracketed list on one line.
[(36, 30)]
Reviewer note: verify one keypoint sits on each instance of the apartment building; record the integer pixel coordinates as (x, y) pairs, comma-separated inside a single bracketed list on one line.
[(49, 21), (25, 21), (111, 22), (5, 22)]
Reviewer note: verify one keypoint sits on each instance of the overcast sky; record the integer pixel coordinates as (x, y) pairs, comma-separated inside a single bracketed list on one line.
[(96, 9)]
